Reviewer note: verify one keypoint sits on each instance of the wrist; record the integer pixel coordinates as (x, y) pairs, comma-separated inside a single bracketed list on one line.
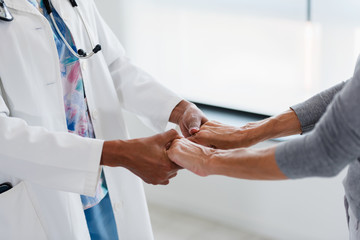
[(282, 125), (255, 132), (285, 124), (113, 153), (215, 161), (221, 163), (266, 129), (178, 111), (247, 163)]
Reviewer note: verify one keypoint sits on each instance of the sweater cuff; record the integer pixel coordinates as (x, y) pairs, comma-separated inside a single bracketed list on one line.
[(310, 111)]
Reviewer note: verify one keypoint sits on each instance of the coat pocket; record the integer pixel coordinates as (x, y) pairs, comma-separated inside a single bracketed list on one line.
[(18, 219)]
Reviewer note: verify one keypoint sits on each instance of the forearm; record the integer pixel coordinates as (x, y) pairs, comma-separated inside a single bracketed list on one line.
[(111, 154), (178, 111), (282, 125), (120, 153), (217, 135), (252, 164), (145, 157), (333, 144), (300, 118), (125, 153)]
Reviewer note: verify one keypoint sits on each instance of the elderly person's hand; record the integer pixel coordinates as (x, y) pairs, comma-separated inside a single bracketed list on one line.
[(191, 156), (243, 163), (217, 135)]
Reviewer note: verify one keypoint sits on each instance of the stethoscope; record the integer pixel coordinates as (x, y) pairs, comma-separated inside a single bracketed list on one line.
[(5, 15)]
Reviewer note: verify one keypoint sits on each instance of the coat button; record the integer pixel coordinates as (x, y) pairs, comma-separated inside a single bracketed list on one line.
[(65, 18), (83, 66), (118, 206), (95, 114)]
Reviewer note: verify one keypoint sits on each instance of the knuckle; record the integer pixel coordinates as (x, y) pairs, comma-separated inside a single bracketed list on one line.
[(157, 181), (173, 134), (169, 168), (165, 165), (147, 181), (172, 176), (175, 142), (199, 134)]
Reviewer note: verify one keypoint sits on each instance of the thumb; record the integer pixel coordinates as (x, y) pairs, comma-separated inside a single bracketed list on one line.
[(194, 126)]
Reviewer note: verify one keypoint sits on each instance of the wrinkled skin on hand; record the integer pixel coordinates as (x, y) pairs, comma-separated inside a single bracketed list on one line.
[(244, 163), (145, 157), (217, 135), (191, 156)]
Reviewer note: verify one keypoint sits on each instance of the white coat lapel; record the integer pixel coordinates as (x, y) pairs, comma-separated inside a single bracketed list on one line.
[(22, 5), (61, 7)]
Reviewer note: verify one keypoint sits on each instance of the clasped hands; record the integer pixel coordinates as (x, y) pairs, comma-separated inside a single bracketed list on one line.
[(157, 159), (147, 157), (198, 152)]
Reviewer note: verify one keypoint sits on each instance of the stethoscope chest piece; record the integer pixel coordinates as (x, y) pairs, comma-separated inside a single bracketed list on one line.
[(5, 14)]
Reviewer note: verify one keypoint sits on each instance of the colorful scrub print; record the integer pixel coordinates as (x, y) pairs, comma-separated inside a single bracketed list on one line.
[(76, 108)]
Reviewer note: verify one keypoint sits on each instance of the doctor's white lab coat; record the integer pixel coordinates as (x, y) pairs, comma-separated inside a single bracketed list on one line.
[(48, 167)]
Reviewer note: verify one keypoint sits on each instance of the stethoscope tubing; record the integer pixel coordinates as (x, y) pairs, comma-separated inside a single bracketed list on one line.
[(7, 15), (84, 54)]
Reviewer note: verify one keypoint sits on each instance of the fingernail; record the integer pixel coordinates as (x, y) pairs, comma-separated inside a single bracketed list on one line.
[(194, 130)]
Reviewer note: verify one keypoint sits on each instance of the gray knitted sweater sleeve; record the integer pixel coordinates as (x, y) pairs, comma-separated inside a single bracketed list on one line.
[(310, 111), (335, 140)]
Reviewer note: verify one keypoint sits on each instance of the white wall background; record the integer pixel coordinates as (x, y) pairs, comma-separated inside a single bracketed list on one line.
[(227, 48), (310, 209)]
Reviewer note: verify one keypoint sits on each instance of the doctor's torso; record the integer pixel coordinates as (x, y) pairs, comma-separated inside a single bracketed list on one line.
[(31, 90), (30, 71)]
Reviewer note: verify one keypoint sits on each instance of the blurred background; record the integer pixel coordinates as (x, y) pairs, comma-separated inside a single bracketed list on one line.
[(242, 60)]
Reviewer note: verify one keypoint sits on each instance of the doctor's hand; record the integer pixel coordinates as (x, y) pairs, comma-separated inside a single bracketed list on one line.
[(189, 117), (145, 157)]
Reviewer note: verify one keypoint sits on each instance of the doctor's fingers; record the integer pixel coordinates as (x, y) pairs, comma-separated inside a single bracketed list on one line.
[(168, 137), (172, 175), (193, 122), (166, 182), (173, 165)]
